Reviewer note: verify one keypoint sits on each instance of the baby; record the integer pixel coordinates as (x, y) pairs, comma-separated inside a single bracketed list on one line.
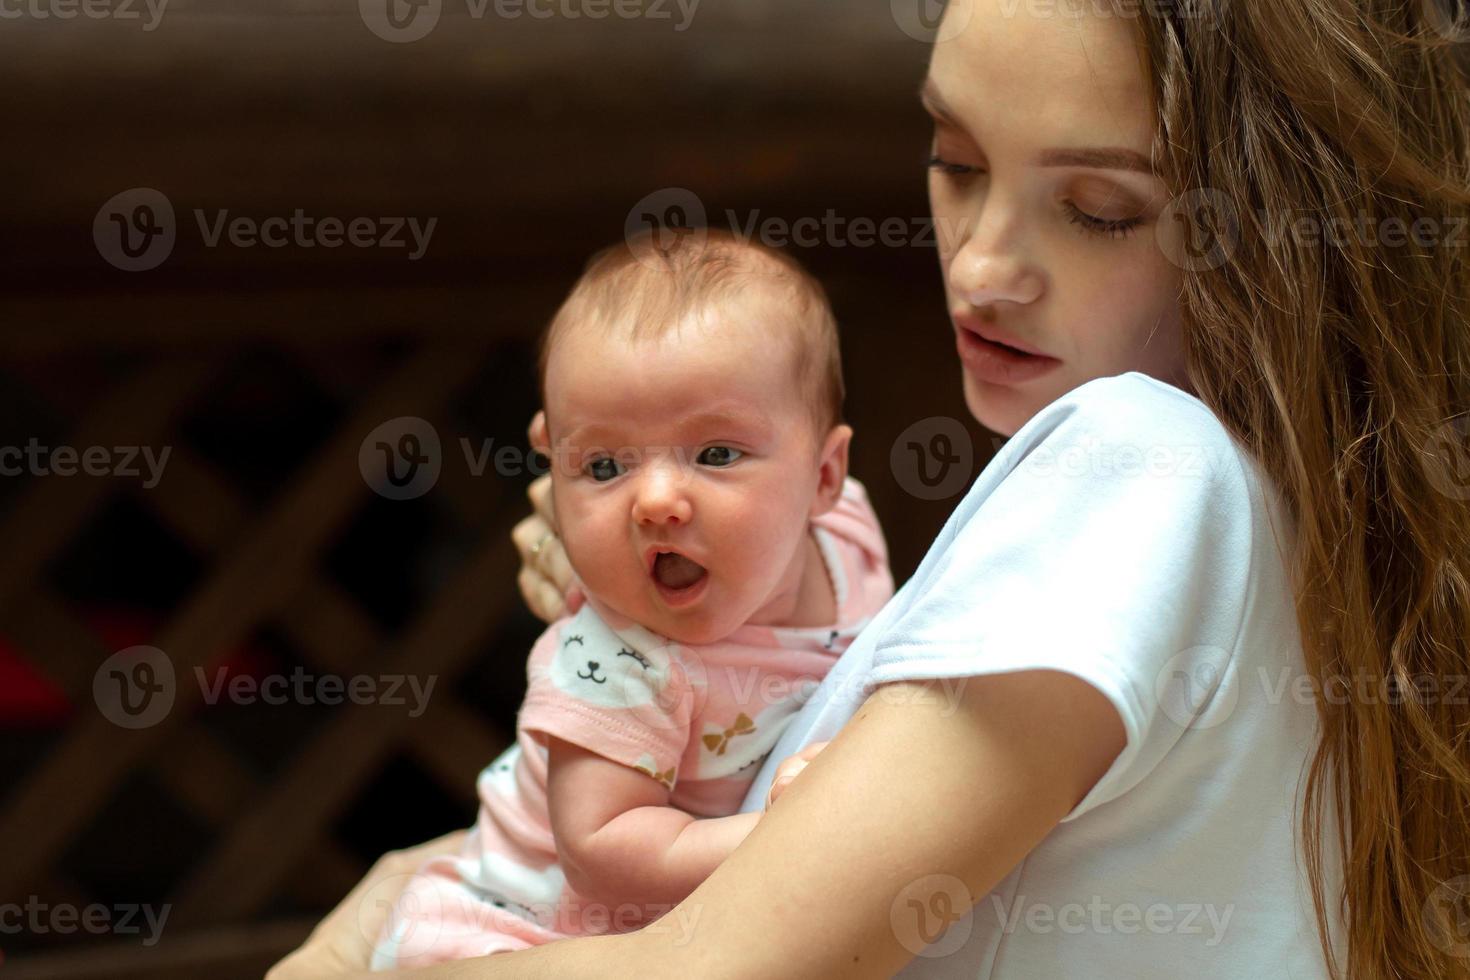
[(692, 398)]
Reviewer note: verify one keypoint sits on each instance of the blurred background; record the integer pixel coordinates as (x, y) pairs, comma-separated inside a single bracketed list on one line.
[(245, 245)]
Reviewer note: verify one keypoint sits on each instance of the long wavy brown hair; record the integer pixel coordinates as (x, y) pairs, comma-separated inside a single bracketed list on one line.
[(1342, 358)]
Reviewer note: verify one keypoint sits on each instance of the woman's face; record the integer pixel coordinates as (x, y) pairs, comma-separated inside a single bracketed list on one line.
[(1047, 213)]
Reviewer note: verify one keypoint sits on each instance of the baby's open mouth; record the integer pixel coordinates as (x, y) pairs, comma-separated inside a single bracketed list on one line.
[(676, 572)]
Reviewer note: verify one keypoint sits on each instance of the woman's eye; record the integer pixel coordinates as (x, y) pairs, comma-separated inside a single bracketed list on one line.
[(949, 168), (1093, 225), (718, 456), (603, 469)]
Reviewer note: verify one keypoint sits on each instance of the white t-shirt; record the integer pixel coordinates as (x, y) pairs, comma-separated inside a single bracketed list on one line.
[(1124, 537)]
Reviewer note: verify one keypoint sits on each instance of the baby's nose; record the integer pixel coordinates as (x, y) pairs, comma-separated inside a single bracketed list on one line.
[(661, 500)]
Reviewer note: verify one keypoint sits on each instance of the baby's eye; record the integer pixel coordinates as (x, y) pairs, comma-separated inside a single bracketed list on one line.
[(718, 456), (603, 468)]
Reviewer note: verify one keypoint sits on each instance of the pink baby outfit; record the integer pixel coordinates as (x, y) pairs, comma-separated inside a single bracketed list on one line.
[(700, 719)]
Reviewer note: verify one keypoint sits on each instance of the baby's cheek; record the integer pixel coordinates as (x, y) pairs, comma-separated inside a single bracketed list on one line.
[(757, 563), (597, 548)]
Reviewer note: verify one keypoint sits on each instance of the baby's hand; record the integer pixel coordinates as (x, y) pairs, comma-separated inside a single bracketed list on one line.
[(788, 768)]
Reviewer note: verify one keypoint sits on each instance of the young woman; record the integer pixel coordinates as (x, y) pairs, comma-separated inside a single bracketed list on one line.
[(1179, 690)]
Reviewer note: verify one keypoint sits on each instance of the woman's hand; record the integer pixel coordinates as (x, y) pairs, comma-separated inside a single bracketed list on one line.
[(787, 770), (546, 579), (342, 943)]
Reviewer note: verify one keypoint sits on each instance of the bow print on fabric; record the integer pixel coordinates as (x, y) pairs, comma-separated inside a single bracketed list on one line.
[(716, 742), (649, 767)]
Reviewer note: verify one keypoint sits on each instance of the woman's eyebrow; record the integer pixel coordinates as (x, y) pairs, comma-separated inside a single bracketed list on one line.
[(934, 103), (1100, 158)]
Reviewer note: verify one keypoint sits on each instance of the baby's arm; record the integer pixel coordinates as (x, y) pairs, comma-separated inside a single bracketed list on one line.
[(619, 840)]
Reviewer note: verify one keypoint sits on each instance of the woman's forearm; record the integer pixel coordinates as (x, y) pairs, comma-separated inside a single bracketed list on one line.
[(589, 957), (655, 856)]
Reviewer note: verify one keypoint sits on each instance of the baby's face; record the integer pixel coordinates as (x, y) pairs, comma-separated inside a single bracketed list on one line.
[(696, 444)]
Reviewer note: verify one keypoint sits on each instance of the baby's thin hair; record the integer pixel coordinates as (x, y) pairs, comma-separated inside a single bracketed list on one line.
[(651, 282)]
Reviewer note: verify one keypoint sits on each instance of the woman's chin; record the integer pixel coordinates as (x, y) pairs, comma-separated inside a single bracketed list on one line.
[(995, 407)]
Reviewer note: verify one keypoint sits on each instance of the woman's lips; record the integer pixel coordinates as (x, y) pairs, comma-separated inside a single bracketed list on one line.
[(998, 364), (987, 330)]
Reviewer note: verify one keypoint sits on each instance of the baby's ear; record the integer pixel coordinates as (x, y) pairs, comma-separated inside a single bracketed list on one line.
[(833, 471), (540, 440)]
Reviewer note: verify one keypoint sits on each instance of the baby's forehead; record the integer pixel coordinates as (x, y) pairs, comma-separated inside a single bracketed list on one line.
[(709, 367), (747, 335)]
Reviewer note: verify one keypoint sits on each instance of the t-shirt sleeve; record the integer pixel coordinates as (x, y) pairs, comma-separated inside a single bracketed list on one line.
[(628, 702), (1118, 550)]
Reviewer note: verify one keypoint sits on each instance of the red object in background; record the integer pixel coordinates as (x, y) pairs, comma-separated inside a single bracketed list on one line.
[(29, 698)]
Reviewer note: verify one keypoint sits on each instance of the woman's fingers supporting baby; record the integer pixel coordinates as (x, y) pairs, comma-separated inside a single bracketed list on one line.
[(546, 575), (788, 769), (342, 943), (540, 493), (540, 595)]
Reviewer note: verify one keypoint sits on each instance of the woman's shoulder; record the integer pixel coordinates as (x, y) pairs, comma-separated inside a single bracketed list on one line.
[(1130, 408), (1134, 427), (1118, 468)]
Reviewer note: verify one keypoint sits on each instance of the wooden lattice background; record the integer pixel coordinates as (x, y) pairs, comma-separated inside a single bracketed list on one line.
[(260, 566), (262, 548)]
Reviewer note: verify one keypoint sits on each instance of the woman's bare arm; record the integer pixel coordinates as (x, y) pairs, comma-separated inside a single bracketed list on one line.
[(923, 786)]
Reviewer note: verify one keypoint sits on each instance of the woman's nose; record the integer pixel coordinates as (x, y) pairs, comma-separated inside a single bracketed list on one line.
[(990, 265), (661, 498)]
